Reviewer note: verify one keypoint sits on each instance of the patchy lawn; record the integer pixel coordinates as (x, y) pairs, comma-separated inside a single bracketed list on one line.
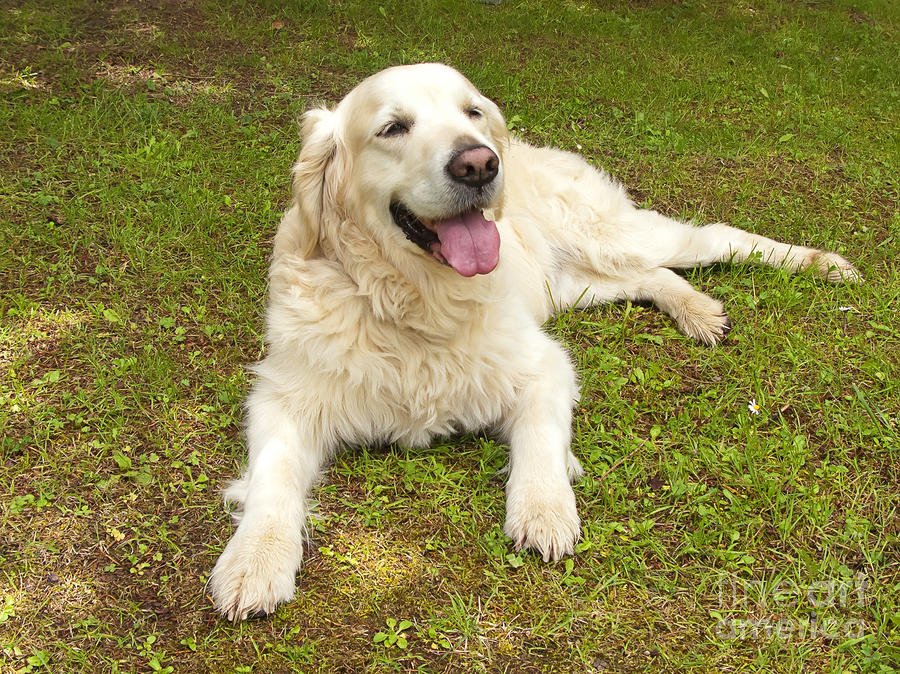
[(144, 157)]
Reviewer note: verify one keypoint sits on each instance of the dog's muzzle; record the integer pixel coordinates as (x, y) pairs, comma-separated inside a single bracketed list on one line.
[(467, 241)]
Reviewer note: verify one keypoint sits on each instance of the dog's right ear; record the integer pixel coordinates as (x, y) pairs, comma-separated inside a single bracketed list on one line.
[(309, 175)]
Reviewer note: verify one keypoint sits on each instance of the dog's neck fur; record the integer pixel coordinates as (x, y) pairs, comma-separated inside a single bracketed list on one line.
[(401, 286)]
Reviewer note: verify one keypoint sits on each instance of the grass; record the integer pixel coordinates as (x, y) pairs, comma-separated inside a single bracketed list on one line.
[(145, 152)]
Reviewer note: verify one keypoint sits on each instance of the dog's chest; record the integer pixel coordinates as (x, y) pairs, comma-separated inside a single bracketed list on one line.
[(373, 379), (427, 390)]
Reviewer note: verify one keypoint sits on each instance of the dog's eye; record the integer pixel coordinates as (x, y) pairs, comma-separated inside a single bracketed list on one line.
[(473, 113), (392, 129)]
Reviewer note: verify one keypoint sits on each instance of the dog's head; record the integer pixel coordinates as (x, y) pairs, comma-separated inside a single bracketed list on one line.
[(412, 156)]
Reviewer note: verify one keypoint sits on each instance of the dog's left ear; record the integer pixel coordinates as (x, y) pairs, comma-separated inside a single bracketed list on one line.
[(496, 123), (500, 134)]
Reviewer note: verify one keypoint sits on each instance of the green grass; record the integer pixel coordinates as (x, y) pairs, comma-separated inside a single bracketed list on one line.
[(144, 157)]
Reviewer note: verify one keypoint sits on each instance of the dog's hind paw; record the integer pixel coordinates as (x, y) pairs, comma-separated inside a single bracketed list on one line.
[(834, 268), (703, 319)]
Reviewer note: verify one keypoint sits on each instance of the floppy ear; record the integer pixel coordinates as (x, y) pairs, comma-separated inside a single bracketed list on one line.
[(496, 123), (497, 127), (313, 188)]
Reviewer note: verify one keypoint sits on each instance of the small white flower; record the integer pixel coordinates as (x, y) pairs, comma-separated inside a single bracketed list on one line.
[(753, 407), (845, 308)]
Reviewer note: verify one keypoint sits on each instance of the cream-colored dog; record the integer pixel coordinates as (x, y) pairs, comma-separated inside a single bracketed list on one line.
[(422, 252)]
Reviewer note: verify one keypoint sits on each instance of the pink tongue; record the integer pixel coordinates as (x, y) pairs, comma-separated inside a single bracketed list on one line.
[(469, 243)]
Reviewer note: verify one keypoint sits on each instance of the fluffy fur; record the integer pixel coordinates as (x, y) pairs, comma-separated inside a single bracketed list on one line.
[(372, 340)]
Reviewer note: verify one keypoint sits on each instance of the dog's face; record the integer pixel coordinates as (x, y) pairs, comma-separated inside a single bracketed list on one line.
[(414, 154)]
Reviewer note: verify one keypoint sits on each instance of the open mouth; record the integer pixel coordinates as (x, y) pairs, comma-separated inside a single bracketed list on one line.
[(413, 228), (466, 241)]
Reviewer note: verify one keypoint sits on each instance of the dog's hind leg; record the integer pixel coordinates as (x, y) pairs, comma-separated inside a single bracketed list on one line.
[(257, 570), (667, 242), (697, 315)]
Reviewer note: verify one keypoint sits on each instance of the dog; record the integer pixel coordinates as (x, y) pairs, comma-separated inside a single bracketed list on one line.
[(422, 251)]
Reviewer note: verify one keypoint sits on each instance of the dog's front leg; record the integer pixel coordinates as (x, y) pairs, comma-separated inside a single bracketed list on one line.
[(540, 503), (257, 570)]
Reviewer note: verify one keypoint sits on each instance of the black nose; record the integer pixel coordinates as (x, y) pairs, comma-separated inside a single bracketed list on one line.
[(474, 166)]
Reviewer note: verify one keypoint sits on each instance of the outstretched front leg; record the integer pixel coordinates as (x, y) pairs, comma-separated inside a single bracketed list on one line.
[(257, 570), (540, 503)]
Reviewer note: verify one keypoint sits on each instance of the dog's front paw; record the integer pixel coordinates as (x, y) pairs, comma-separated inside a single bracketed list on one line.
[(832, 267), (543, 517), (256, 571)]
